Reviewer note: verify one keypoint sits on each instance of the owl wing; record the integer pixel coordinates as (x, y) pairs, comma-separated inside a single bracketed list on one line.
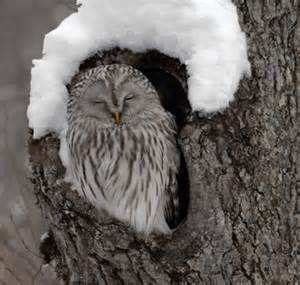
[(177, 193)]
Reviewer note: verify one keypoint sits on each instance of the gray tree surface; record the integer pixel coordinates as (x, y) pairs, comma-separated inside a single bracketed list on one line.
[(243, 220)]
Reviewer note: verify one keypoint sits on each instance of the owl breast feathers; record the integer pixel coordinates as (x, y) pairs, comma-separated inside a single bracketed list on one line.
[(123, 148)]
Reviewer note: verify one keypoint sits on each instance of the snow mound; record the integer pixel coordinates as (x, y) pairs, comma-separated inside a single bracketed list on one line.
[(203, 34)]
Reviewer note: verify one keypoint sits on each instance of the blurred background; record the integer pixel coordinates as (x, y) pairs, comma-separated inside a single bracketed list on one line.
[(23, 25)]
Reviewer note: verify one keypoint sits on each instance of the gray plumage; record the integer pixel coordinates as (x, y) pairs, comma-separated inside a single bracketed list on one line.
[(123, 150)]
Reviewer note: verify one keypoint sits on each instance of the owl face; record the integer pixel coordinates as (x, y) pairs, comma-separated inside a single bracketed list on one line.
[(118, 96)]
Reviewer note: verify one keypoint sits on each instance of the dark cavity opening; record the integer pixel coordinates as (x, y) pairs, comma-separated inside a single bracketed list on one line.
[(169, 77), (172, 95)]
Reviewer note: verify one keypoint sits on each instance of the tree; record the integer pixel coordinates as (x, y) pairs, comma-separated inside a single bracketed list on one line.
[(244, 209)]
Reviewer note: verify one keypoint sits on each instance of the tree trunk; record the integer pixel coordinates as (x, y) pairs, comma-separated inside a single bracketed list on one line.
[(244, 206)]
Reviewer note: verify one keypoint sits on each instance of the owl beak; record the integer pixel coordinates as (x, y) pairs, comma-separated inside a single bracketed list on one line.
[(118, 118)]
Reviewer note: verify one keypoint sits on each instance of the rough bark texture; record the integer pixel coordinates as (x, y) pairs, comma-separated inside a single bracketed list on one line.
[(244, 206)]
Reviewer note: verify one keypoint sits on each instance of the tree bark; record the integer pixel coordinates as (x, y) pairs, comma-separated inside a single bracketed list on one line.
[(243, 224)]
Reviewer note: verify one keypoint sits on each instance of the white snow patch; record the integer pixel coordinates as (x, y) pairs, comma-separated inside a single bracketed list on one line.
[(203, 34), (44, 236)]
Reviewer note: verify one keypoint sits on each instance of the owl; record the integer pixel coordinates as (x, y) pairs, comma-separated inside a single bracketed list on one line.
[(124, 155)]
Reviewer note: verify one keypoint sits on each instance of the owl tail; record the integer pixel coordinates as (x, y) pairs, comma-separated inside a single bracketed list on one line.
[(177, 201), (172, 211)]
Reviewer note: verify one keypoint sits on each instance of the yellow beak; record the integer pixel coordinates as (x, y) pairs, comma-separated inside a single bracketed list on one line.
[(118, 118)]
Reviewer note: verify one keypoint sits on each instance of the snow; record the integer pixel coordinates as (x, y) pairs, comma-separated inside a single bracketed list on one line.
[(44, 236), (203, 34)]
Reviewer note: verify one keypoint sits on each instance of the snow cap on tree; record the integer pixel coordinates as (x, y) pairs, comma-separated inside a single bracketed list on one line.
[(204, 34)]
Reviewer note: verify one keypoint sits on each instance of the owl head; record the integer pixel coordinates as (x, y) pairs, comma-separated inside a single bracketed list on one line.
[(114, 94)]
